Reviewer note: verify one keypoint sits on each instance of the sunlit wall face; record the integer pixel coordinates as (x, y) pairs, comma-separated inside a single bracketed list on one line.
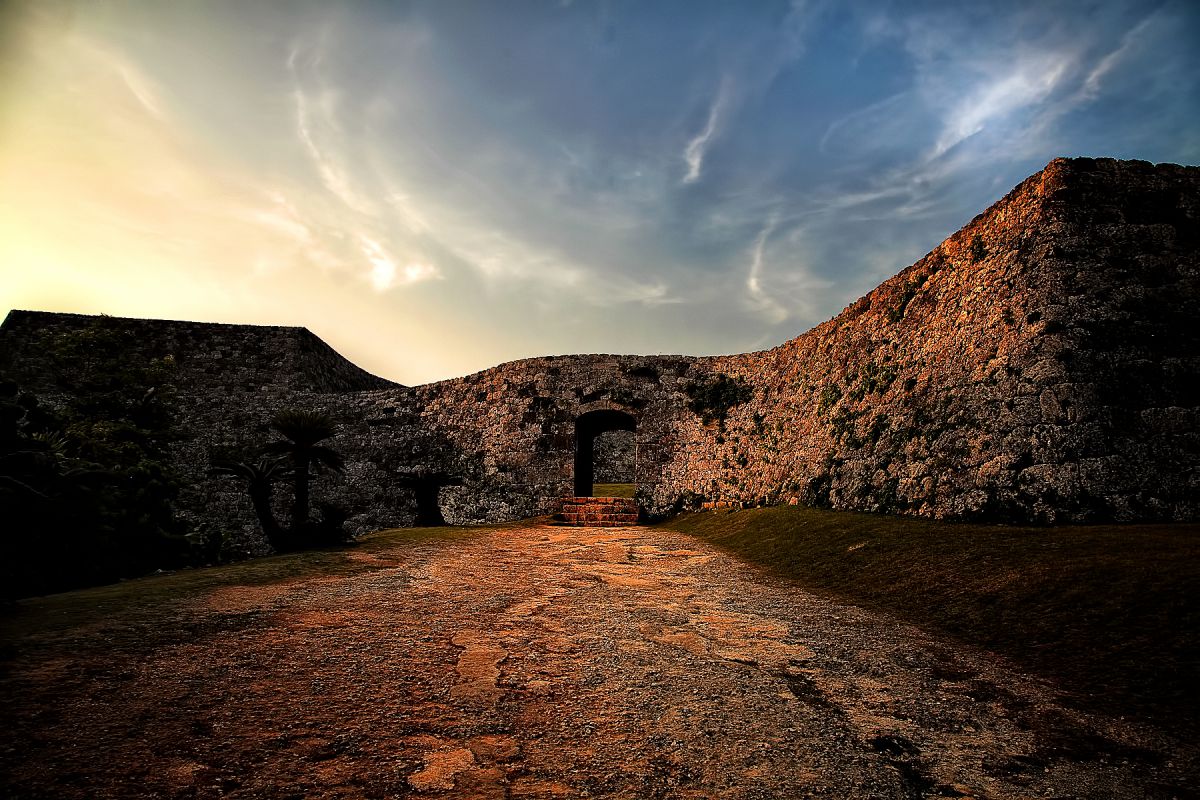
[(437, 187)]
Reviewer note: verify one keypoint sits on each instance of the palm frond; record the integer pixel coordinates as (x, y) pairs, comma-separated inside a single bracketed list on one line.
[(304, 428), (54, 441), (281, 448), (327, 457), (263, 469)]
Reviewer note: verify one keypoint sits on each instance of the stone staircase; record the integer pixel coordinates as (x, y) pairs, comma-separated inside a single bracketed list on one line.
[(597, 512)]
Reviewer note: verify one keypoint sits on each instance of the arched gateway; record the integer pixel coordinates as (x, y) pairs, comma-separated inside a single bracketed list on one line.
[(587, 427)]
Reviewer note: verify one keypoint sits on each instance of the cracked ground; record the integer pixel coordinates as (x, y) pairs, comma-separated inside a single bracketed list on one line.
[(533, 661)]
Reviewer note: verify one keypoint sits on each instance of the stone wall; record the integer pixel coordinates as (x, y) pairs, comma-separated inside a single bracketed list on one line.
[(228, 380), (1040, 365), (615, 456), (213, 357)]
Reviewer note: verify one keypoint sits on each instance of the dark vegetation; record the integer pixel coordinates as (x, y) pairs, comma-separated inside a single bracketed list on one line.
[(1111, 613), (911, 287), (712, 398), (979, 250), (426, 486), (830, 395), (260, 472), (85, 490), (133, 610), (293, 458)]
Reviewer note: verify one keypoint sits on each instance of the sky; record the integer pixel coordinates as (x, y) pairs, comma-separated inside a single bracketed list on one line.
[(438, 187)]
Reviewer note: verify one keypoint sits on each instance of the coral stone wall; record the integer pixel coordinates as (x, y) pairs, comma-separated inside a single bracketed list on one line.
[(212, 357), (228, 382), (615, 456), (1040, 365), (509, 432)]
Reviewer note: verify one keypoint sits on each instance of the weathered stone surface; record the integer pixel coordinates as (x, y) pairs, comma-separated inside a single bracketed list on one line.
[(1040, 365), (615, 454), (1054, 379), (543, 662), (598, 512)]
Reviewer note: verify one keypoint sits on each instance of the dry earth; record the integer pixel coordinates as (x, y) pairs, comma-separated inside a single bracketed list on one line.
[(542, 662)]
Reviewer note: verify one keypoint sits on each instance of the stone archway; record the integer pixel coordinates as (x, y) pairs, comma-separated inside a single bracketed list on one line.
[(426, 488), (587, 427)]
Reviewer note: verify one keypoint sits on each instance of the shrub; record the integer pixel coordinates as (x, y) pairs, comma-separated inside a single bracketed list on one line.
[(85, 487), (979, 250), (829, 397), (713, 398)]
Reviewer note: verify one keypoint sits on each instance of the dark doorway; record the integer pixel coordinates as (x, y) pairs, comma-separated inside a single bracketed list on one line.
[(587, 428), (426, 488)]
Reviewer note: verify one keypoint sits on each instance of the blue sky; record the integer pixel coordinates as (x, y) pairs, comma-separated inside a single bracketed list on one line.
[(436, 187)]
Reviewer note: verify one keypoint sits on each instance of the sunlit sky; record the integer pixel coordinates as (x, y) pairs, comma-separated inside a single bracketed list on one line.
[(437, 187)]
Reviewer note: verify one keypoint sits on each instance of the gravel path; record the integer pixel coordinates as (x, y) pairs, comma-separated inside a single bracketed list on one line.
[(543, 662)]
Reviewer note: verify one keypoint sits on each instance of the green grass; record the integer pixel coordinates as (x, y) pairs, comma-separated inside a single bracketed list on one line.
[(613, 489), (1112, 613)]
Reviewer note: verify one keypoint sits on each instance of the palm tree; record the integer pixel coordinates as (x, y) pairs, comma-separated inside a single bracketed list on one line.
[(303, 430), (260, 473)]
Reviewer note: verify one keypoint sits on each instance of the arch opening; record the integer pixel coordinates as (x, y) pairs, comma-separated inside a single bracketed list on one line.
[(426, 489), (588, 427)]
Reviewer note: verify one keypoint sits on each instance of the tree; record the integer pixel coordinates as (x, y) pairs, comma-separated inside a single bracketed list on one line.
[(304, 430), (260, 474), (293, 458), (120, 414), (86, 490)]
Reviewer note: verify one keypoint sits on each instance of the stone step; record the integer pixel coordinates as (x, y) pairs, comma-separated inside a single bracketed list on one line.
[(597, 512), (593, 509), (608, 501), (567, 516)]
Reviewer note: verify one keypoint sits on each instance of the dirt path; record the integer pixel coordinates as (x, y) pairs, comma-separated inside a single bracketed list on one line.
[(541, 662)]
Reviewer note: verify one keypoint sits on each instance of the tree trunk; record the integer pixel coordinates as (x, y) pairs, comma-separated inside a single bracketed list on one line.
[(300, 501), (260, 497)]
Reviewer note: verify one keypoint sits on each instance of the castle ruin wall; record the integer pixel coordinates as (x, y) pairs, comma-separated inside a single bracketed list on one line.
[(1041, 365)]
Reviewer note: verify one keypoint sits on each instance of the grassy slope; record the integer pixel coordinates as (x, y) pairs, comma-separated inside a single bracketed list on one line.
[(1111, 612), (146, 597)]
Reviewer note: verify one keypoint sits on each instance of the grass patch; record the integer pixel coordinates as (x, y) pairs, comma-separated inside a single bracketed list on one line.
[(613, 489), (1112, 613), (146, 597)]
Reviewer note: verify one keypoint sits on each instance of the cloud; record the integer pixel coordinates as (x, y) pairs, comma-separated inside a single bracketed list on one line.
[(1132, 41), (385, 274), (873, 127), (139, 86), (759, 298), (980, 100), (333, 175), (785, 158), (1028, 82), (697, 147)]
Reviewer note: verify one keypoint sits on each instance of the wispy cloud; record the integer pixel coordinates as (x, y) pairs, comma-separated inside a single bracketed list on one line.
[(417, 165), (697, 147), (1133, 40), (759, 297), (385, 274), (140, 88), (319, 119), (869, 128), (1027, 83)]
